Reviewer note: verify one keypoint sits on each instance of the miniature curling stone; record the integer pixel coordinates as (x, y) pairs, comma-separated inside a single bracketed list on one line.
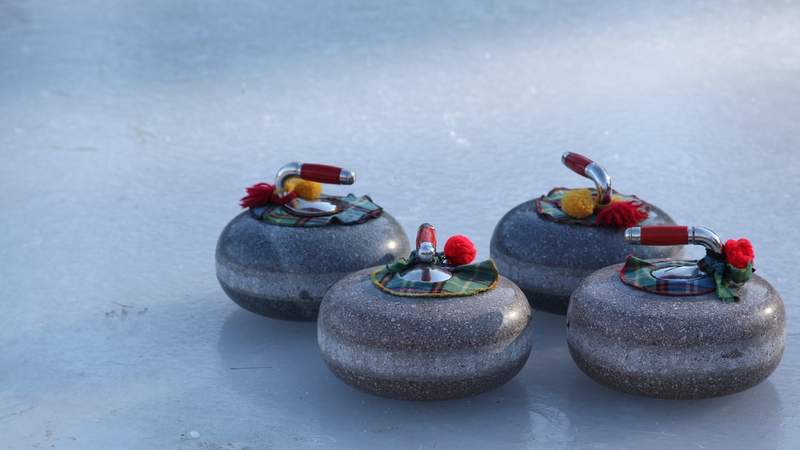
[(292, 243), (429, 327), (678, 329), (548, 245)]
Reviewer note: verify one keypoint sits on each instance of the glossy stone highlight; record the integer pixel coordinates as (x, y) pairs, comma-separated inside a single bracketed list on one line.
[(674, 347), (548, 260), (283, 272), (423, 348)]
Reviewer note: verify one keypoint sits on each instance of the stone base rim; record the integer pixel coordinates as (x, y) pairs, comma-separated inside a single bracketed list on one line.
[(433, 390), (636, 389)]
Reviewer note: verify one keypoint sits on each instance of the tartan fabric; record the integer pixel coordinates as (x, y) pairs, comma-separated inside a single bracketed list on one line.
[(721, 278), (469, 279), (549, 207), (638, 273), (358, 210), (727, 279)]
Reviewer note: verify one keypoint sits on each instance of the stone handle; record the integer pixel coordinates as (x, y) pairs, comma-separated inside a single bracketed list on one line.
[(674, 235), (658, 235), (576, 162), (426, 233), (313, 172), (585, 167), (322, 173)]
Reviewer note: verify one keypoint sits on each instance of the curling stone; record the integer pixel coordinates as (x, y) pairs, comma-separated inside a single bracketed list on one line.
[(678, 329), (279, 256), (547, 252), (428, 327)]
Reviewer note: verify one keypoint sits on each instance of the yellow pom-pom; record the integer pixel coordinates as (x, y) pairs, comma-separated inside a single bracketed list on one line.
[(290, 183), (307, 190), (578, 203)]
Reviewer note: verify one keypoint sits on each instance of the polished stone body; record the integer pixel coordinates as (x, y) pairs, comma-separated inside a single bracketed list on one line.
[(548, 260), (423, 348), (676, 347), (283, 272)]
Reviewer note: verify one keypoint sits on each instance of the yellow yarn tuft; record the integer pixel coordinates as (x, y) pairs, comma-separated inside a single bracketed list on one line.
[(290, 183), (578, 203), (307, 190)]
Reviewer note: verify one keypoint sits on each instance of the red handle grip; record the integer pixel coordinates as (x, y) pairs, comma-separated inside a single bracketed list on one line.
[(665, 235), (576, 162), (321, 173), (426, 233)]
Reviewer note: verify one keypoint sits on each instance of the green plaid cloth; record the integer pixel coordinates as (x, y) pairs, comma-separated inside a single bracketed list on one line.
[(727, 279), (358, 210), (721, 278), (467, 280), (549, 207)]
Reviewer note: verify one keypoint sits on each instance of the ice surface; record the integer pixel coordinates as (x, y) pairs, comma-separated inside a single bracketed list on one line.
[(128, 130)]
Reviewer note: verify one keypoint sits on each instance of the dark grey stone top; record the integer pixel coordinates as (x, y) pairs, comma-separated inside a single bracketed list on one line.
[(604, 303), (356, 311), (524, 235), (257, 245)]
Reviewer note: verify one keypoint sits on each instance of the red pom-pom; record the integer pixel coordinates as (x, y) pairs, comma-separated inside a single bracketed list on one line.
[(259, 194), (739, 253), (621, 214), (459, 250)]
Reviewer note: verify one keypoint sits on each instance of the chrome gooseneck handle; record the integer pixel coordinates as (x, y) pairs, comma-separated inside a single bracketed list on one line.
[(674, 235), (426, 270), (323, 206), (585, 167), (320, 173)]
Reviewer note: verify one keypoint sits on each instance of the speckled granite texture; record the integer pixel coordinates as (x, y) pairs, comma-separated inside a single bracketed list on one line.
[(674, 347), (283, 272), (420, 348), (548, 260)]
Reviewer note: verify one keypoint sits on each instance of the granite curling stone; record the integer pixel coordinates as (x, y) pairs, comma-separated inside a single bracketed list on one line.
[(677, 329), (547, 253), (279, 256), (424, 329)]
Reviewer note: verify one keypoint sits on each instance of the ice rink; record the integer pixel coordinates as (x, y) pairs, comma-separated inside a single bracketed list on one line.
[(129, 129)]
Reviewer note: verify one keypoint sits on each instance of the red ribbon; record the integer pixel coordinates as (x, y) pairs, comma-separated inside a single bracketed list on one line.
[(263, 194), (621, 214)]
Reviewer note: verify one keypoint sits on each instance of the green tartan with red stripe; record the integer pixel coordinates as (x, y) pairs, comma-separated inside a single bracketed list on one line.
[(469, 279), (721, 277), (549, 206), (358, 210), (638, 273)]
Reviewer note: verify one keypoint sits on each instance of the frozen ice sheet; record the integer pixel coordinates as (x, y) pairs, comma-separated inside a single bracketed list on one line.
[(129, 128)]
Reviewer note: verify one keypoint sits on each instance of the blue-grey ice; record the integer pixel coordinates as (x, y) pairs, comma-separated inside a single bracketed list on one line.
[(129, 129)]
